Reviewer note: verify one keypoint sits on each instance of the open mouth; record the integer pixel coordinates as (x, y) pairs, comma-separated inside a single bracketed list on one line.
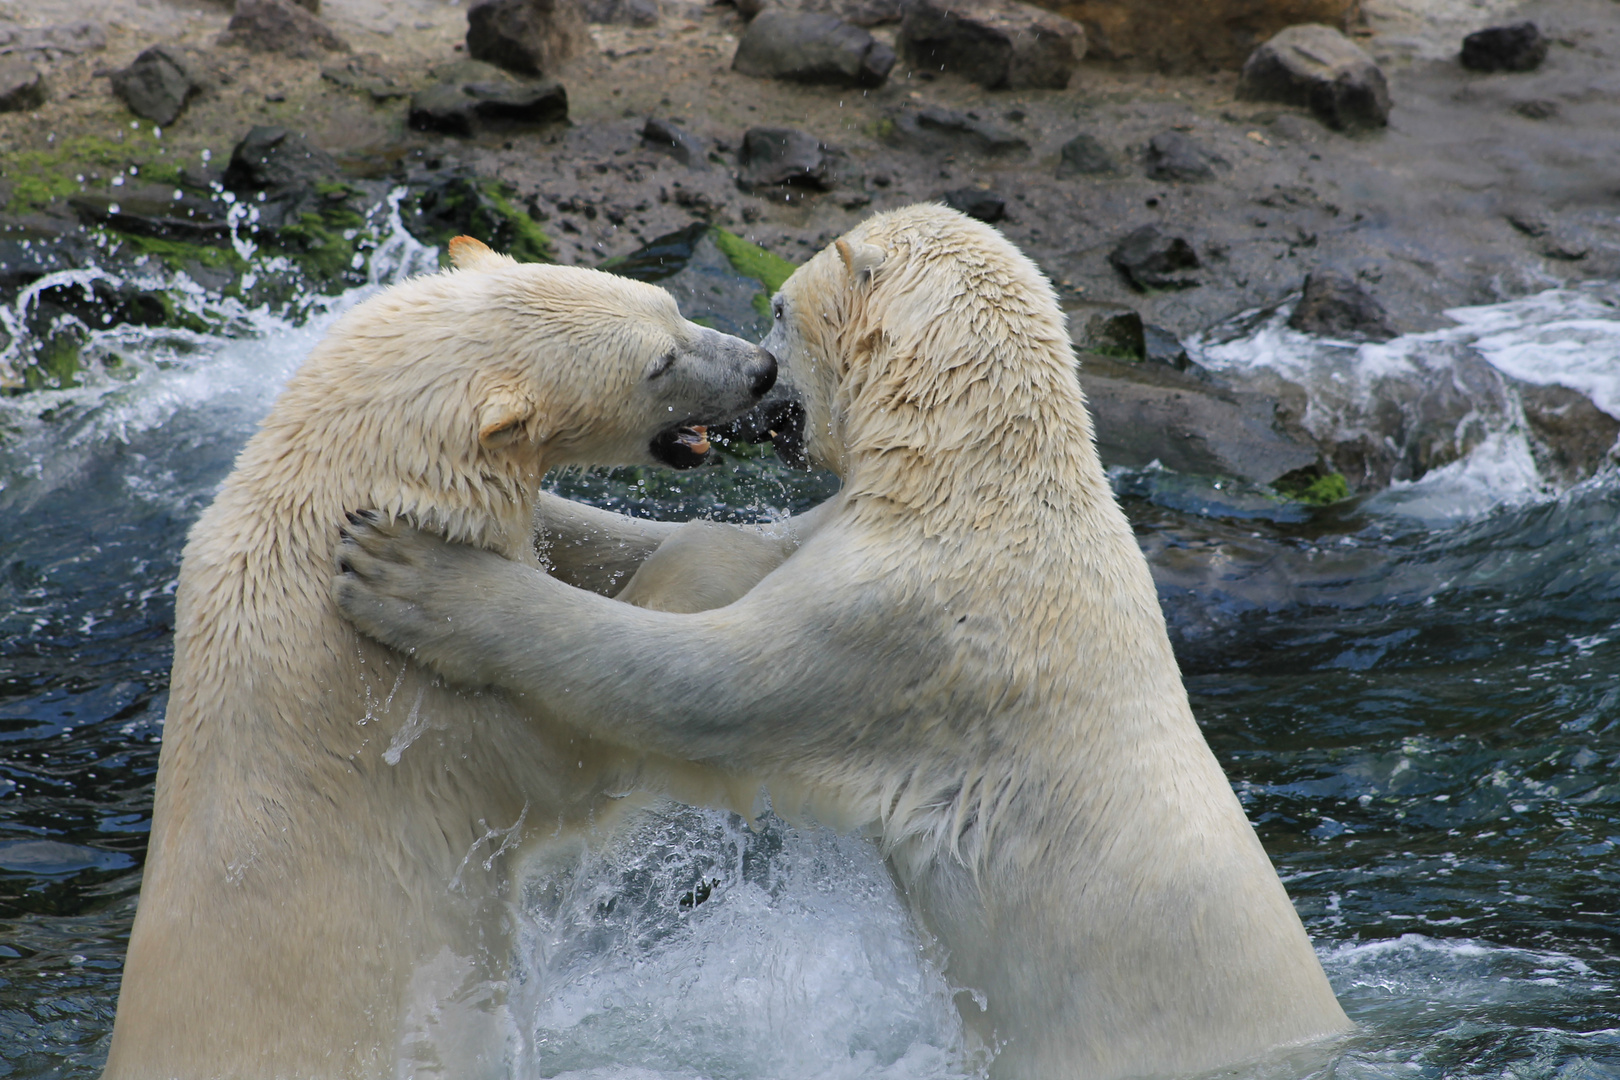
[(682, 447)]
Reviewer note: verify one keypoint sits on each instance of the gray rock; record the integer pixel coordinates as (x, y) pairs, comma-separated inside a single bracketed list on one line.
[(1173, 156), (622, 12), (1163, 347), (367, 75), (1144, 413), (157, 85), (775, 157), (72, 38), (1083, 155), (1321, 69), (1335, 305), (996, 43), (1519, 47), (280, 26), (155, 212), (1112, 330), (273, 159), (945, 131), (1572, 438), (812, 48), (21, 87), (866, 13), (529, 37), (473, 96), (987, 206), (1149, 259), (681, 145)]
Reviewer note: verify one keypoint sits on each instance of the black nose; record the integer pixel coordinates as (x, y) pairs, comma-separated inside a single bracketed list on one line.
[(766, 377)]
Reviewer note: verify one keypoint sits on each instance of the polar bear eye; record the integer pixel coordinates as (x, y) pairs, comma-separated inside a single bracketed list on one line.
[(776, 310), (662, 364)]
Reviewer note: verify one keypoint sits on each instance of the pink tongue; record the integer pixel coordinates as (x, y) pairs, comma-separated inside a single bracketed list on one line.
[(694, 438)]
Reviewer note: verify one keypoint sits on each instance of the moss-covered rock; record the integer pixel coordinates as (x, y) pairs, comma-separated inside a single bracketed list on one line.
[(447, 205)]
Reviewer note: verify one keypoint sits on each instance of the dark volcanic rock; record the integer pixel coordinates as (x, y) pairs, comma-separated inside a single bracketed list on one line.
[(281, 27), (157, 85), (1335, 305), (1108, 330), (155, 212), (987, 206), (472, 96), (773, 157), (21, 87), (681, 145), (1151, 260), (996, 43), (1083, 155), (451, 203), (275, 159), (622, 12), (1519, 47), (1173, 156), (810, 48), (945, 131), (1320, 68), (1165, 348), (530, 37)]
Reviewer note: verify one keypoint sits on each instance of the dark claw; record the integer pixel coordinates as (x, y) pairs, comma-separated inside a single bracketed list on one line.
[(354, 518), (344, 533), (344, 567), (368, 515)]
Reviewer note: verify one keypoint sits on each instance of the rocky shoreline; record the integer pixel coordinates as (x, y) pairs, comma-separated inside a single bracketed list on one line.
[(1161, 204)]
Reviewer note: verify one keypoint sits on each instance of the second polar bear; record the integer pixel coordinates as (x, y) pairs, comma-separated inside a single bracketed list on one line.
[(965, 655), (327, 884)]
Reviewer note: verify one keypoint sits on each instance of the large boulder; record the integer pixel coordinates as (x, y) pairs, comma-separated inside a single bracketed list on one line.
[(473, 96), (1519, 47), (21, 87), (783, 157), (279, 26), (529, 37), (157, 85), (1320, 68), (999, 44), (1335, 305), (1175, 35), (806, 47)]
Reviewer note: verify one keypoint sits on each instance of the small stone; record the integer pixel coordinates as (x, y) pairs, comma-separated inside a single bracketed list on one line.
[(999, 44), (157, 85), (622, 12), (1173, 156), (986, 206), (1110, 330), (681, 145), (773, 157), (1083, 155), (21, 87), (811, 48), (1151, 260), (1536, 109), (938, 130), (1335, 305), (1519, 47), (365, 75), (275, 159), (1163, 347), (280, 26), (529, 37), (1320, 68)]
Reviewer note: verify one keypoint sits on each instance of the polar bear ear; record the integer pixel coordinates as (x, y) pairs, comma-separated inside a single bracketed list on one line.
[(861, 260), (470, 253), (501, 420)]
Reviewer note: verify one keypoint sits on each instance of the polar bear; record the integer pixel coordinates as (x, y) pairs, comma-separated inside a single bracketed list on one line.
[(325, 891), (963, 652)]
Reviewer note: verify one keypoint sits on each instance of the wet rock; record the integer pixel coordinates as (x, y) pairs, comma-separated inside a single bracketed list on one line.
[(157, 85), (622, 12), (1144, 413), (987, 206), (1173, 156), (1572, 438), (367, 75), (1177, 36), (473, 96), (996, 43), (1519, 47), (683, 146), (1318, 67), (775, 157), (280, 26), (529, 37), (1112, 330), (21, 87), (442, 205), (936, 130), (155, 212), (812, 48), (1335, 305), (274, 159), (1150, 259), (1083, 155), (1163, 347)]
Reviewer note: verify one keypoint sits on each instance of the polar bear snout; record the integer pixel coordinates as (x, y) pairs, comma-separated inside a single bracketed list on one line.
[(765, 375)]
